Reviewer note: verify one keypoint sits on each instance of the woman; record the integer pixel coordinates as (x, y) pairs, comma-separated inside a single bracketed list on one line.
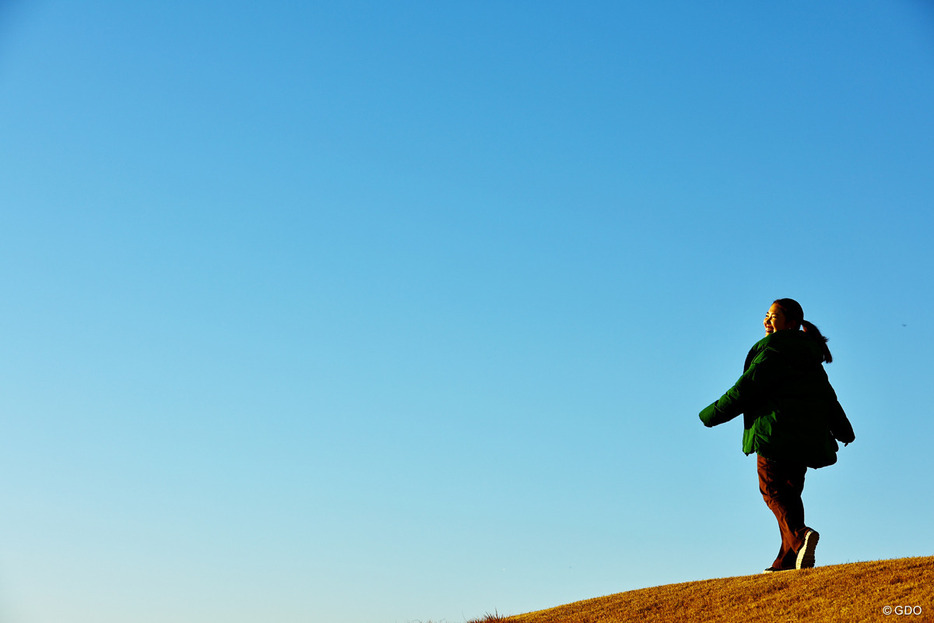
[(791, 420)]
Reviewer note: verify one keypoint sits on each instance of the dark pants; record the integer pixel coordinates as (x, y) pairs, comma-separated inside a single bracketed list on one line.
[(781, 484)]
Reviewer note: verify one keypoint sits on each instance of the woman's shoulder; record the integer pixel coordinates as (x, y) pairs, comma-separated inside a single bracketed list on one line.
[(793, 345), (782, 339), (780, 342), (772, 340), (756, 349)]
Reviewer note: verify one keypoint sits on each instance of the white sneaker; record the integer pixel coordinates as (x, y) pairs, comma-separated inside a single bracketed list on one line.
[(805, 558)]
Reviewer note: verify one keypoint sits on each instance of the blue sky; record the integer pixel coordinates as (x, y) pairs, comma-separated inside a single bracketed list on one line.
[(405, 311)]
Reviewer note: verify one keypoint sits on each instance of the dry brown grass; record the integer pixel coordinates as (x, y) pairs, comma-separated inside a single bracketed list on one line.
[(852, 593)]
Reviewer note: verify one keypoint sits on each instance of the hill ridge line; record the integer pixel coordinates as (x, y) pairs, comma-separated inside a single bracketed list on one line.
[(902, 588)]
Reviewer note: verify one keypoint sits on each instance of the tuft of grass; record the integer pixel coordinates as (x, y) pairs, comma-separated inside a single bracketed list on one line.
[(490, 618), (852, 592)]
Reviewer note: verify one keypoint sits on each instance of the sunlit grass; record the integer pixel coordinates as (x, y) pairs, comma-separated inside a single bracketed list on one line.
[(851, 592)]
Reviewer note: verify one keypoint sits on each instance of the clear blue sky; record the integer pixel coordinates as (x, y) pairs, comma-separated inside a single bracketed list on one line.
[(403, 311)]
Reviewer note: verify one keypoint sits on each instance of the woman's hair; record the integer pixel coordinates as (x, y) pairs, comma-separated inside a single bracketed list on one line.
[(795, 315)]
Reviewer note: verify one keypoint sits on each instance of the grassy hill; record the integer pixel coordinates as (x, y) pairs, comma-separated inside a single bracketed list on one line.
[(863, 591)]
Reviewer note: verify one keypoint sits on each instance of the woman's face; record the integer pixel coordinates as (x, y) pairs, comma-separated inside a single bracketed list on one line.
[(775, 320)]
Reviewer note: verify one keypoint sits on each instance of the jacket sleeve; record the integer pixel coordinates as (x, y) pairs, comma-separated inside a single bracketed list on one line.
[(716, 414), (837, 422), (746, 391), (840, 426)]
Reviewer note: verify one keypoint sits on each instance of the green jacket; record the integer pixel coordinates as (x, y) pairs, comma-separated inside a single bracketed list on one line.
[(790, 411)]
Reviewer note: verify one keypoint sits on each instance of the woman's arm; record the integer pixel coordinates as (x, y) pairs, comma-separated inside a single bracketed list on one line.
[(746, 391)]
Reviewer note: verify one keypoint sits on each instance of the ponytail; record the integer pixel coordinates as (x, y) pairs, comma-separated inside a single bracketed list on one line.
[(811, 331), (795, 315)]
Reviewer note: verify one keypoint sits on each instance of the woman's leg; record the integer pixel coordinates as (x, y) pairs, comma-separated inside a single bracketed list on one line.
[(781, 484)]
